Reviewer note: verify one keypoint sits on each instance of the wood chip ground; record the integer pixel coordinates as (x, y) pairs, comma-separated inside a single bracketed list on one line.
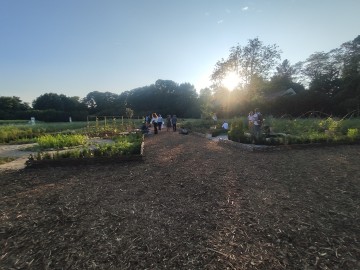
[(191, 203)]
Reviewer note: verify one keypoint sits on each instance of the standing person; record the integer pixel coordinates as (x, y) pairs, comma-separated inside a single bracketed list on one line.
[(251, 121), (257, 123), (154, 121), (214, 117), (225, 125), (173, 122), (168, 123), (160, 121), (144, 128), (148, 120)]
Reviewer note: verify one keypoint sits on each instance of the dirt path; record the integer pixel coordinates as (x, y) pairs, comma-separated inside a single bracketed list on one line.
[(15, 151), (191, 204)]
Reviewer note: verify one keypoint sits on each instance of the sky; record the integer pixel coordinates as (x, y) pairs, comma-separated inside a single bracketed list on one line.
[(74, 47)]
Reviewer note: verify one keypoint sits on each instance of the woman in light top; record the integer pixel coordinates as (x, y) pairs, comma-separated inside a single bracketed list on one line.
[(251, 121), (154, 121)]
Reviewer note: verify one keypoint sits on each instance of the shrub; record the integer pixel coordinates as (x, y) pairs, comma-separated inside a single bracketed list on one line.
[(237, 131), (330, 124), (196, 125), (353, 134), (218, 131)]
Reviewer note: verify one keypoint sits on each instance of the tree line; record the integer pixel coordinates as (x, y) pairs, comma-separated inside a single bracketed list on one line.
[(328, 82)]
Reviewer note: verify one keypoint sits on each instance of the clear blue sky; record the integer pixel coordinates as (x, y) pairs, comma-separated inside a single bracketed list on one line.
[(73, 47)]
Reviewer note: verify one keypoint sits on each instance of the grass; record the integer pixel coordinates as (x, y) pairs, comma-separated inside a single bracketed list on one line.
[(18, 131), (13, 122), (26, 133), (4, 160)]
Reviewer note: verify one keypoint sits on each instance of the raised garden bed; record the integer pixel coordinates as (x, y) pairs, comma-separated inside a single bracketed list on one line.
[(93, 154), (267, 147), (262, 148), (83, 161)]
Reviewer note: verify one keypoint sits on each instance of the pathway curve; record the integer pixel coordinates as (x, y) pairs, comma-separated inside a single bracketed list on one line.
[(15, 151)]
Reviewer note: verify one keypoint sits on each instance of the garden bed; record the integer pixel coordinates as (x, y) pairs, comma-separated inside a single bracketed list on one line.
[(261, 148), (101, 151), (82, 161)]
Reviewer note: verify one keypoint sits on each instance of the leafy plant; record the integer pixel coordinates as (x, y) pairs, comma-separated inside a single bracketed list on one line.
[(237, 130), (353, 134), (60, 141), (330, 124)]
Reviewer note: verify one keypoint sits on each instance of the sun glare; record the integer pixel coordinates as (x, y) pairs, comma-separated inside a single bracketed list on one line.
[(231, 81)]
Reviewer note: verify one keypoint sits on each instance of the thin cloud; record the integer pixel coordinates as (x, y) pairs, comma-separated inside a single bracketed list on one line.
[(228, 11), (220, 21), (245, 8)]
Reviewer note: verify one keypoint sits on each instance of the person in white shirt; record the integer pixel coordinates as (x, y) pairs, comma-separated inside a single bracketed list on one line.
[(160, 121), (154, 121), (257, 123), (251, 121), (225, 125)]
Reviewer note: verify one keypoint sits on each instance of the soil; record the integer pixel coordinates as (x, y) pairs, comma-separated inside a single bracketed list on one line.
[(191, 203)]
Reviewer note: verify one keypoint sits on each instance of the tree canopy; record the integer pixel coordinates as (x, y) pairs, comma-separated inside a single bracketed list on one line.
[(254, 59), (325, 81)]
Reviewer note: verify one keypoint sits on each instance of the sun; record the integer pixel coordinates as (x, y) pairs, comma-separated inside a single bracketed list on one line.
[(231, 80)]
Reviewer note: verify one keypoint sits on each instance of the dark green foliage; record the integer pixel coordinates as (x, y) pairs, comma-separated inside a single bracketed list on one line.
[(218, 131), (237, 130)]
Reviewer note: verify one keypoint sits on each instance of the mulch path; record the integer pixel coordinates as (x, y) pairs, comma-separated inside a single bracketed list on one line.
[(192, 203)]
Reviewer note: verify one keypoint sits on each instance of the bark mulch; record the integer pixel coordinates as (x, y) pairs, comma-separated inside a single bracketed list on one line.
[(190, 203)]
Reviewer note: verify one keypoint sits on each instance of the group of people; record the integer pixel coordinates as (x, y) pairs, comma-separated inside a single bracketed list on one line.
[(157, 121), (255, 122)]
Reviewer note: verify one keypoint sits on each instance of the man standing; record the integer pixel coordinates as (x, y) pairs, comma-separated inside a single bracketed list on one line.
[(173, 122)]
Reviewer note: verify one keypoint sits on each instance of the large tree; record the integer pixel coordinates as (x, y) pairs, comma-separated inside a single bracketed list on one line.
[(12, 107), (323, 72), (254, 59), (12, 104), (347, 100), (52, 101), (105, 103), (205, 103)]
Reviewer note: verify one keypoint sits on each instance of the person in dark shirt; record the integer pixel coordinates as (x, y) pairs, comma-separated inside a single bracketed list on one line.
[(173, 122)]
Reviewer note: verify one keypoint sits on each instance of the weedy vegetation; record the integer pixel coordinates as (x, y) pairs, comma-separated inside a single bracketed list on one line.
[(4, 160), (277, 131)]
